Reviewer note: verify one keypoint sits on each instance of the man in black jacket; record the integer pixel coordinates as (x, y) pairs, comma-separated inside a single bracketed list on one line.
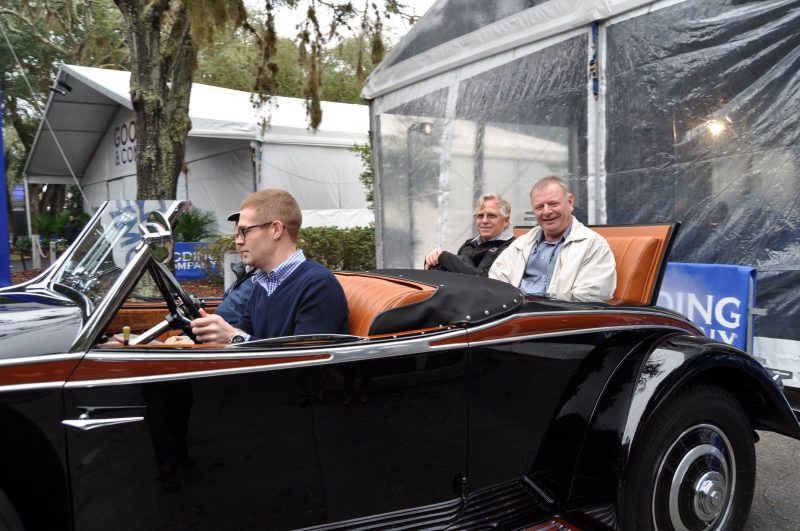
[(475, 257)]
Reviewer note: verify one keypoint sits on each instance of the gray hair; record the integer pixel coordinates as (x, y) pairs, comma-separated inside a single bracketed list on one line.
[(544, 182), (505, 206)]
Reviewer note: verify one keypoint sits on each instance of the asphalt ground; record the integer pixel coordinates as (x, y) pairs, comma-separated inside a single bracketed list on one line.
[(776, 502)]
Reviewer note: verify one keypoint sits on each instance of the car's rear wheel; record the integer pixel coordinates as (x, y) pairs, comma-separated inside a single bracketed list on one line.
[(9, 519), (694, 467)]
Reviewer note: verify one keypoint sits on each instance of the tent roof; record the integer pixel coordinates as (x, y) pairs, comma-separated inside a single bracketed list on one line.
[(80, 117), (454, 33)]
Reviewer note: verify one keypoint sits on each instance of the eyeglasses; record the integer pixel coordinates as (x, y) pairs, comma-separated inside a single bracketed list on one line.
[(490, 217), (241, 232)]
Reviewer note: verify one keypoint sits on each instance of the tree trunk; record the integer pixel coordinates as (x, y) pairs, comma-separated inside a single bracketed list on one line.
[(163, 63)]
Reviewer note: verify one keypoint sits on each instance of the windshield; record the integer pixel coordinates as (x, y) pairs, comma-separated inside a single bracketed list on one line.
[(94, 262)]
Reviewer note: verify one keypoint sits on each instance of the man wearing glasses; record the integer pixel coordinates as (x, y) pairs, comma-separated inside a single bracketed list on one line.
[(295, 295), (475, 257)]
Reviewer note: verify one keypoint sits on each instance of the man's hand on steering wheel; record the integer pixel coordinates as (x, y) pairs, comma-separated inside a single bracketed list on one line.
[(211, 328)]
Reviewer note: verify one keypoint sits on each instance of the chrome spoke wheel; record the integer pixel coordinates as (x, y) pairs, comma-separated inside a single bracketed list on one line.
[(694, 481)]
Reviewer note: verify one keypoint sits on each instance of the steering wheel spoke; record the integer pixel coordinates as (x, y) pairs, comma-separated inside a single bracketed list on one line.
[(183, 308)]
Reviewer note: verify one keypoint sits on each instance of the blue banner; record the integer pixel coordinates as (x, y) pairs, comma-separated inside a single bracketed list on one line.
[(189, 261), (715, 297), (5, 210)]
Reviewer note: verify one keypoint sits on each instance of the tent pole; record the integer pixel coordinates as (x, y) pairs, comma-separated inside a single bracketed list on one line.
[(28, 207)]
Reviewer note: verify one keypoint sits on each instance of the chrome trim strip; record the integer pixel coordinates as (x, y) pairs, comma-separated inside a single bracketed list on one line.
[(88, 424), (46, 358), (31, 387), (610, 310), (362, 351), (545, 335), (80, 384)]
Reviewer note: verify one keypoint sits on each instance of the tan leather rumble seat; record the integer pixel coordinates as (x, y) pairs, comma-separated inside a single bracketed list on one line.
[(369, 296)]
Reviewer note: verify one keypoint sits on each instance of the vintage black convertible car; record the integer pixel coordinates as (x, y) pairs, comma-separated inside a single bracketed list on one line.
[(456, 403)]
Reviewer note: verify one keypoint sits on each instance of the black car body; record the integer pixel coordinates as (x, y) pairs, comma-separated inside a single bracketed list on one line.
[(465, 407)]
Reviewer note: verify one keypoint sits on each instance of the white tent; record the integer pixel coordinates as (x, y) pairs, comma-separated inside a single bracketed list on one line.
[(89, 119)]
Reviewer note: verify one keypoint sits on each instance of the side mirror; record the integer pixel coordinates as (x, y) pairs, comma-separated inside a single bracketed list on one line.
[(156, 233)]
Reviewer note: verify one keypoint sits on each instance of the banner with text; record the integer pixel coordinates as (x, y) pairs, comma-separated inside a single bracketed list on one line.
[(715, 297), (189, 260)]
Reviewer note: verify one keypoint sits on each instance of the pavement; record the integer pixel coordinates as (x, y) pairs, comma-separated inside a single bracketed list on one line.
[(775, 501)]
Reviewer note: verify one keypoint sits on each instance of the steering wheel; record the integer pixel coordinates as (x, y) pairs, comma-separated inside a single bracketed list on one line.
[(183, 308)]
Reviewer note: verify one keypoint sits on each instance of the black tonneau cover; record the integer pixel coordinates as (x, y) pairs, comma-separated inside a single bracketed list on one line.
[(459, 299)]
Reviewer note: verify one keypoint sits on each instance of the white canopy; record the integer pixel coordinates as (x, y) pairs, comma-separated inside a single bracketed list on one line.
[(90, 120)]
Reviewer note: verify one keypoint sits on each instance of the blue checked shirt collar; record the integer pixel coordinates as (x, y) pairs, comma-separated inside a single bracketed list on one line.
[(270, 281)]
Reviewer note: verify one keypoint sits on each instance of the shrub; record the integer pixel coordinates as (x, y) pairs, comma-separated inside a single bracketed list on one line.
[(45, 225), (51, 226), (340, 249), (337, 249), (195, 225), (215, 250)]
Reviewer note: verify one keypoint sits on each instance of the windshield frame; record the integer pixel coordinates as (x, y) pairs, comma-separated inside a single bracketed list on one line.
[(111, 238)]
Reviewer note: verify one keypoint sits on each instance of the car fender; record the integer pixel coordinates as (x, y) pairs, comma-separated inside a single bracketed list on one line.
[(649, 377)]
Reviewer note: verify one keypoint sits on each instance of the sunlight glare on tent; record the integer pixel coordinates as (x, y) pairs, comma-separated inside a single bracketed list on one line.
[(717, 126)]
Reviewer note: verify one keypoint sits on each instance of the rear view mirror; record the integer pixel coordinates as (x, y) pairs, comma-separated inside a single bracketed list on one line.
[(157, 234)]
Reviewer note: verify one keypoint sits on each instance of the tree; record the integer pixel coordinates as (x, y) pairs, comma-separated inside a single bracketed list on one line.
[(163, 36), (164, 39), (311, 38)]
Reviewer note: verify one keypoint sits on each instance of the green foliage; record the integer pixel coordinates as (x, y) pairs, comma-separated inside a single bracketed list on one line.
[(214, 252), (49, 225), (23, 244), (340, 249), (337, 249), (195, 225), (367, 175), (46, 224)]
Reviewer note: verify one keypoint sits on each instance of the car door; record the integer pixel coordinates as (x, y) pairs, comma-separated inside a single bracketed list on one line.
[(166, 441), (244, 438)]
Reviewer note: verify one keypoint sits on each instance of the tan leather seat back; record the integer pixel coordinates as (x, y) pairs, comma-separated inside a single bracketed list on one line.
[(640, 252), (368, 296)]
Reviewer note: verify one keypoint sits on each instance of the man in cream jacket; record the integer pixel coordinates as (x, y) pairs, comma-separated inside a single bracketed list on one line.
[(560, 257)]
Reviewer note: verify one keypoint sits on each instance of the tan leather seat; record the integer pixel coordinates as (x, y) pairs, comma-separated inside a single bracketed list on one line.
[(368, 296), (640, 252)]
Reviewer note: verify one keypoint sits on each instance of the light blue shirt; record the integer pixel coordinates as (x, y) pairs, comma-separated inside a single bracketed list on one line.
[(541, 263), (270, 281)]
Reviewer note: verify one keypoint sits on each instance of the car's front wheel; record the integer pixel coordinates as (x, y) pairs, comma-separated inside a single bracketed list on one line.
[(693, 468)]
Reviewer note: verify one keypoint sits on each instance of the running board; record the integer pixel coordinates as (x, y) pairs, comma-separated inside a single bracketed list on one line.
[(510, 506)]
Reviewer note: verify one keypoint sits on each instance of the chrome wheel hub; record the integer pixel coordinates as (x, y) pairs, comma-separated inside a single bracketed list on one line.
[(695, 481), (709, 495)]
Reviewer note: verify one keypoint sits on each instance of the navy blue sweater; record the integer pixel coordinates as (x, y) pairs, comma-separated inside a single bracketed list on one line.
[(309, 301)]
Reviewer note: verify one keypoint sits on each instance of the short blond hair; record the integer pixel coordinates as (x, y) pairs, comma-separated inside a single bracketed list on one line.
[(505, 206), (544, 182), (276, 204)]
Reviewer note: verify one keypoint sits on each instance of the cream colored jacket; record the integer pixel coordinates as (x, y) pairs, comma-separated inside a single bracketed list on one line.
[(585, 268)]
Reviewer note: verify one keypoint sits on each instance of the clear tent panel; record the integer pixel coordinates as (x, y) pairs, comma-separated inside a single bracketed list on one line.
[(508, 127), (529, 121), (410, 145)]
